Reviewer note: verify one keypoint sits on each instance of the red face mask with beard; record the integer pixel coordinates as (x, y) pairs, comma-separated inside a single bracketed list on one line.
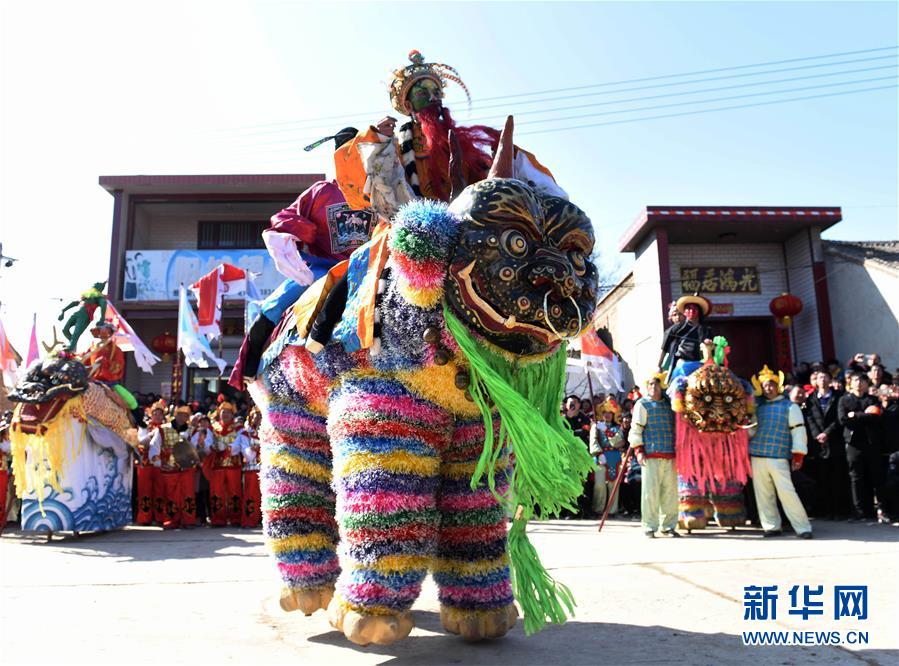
[(478, 144)]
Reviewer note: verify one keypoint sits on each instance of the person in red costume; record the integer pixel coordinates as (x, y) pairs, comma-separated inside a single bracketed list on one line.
[(222, 466), (305, 240), (149, 501), (385, 167), (176, 482), (251, 510), (105, 361)]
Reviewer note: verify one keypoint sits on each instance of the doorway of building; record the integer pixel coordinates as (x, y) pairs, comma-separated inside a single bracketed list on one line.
[(751, 342)]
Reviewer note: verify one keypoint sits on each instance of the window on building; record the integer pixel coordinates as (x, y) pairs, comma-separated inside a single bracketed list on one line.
[(215, 235)]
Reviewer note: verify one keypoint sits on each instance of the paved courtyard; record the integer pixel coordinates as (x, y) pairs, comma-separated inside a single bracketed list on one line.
[(210, 596)]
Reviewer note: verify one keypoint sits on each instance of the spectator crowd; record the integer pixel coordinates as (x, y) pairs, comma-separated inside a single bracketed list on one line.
[(851, 470)]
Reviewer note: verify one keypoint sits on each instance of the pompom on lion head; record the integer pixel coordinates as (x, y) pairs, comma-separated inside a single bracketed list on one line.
[(715, 400)]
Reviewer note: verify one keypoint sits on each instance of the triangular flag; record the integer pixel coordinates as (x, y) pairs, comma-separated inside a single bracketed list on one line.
[(33, 353), (194, 346), (127, 340)]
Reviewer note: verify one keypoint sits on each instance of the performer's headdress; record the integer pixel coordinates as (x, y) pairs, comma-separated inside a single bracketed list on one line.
[(695, 299), (611, 406), (766, 374), (159, 404), (224, 404), (405, 78), (662, 377)]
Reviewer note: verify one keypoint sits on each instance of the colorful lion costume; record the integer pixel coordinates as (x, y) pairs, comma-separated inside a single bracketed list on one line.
[(400, 448), (71, 442), (714, 408)]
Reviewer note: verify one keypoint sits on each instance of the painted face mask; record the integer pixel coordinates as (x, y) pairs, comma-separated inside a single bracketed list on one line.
[(715, 400), (521, 274), (424, 93)]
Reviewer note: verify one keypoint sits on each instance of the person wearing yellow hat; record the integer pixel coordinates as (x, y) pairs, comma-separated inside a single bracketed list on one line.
[(606, 444), (652, 439), (175, 472), (777, 445), (222, 466), (683, 340), (149, 503)]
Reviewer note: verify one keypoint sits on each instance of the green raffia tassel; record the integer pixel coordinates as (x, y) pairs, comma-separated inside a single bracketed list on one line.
[(550, 462), (720, 349)]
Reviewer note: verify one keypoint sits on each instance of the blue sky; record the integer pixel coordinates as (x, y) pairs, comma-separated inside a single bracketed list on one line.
[(227, 87)]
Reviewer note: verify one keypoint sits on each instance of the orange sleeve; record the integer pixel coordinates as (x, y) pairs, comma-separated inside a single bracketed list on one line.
[(351, 174)]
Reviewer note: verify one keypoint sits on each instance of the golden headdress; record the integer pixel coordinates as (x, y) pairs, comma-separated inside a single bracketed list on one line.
[(662, 377), (611, 405), (224, 404), (766, 374), (405, 78), (159, 404)]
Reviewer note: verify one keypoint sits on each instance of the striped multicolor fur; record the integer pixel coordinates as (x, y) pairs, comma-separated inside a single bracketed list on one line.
[(472, 567), (298, 503), (693, 505), (696, 505), (402, 470), (387, 446), (728, 504)]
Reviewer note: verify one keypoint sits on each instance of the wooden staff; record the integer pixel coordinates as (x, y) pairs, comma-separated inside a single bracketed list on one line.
[(621, 465), (590, 388)]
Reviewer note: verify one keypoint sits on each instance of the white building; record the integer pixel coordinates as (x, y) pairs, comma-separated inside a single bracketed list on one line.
[(740, 258), (863, 280)]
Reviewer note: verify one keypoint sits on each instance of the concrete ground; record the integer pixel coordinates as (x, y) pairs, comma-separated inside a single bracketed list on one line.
[(209, 596)]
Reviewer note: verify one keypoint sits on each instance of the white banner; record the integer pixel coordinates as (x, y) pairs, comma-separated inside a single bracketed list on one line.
[(156, 275)]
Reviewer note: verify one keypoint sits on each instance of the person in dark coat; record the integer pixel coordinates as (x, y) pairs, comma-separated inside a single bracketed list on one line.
[(826, 438), (860, 415), (683, 341), (889, 403)]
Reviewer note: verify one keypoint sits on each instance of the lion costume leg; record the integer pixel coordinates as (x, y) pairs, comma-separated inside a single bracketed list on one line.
[(727, 500), (472, 566), (295, 478), (693, 505), (387, 445)]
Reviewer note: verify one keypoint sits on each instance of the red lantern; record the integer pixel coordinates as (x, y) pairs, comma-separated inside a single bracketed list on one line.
[(165, 344), (785, 307)]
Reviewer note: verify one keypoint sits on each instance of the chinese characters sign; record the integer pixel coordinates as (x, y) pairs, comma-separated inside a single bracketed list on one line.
[(719, 280), (760, 601)]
